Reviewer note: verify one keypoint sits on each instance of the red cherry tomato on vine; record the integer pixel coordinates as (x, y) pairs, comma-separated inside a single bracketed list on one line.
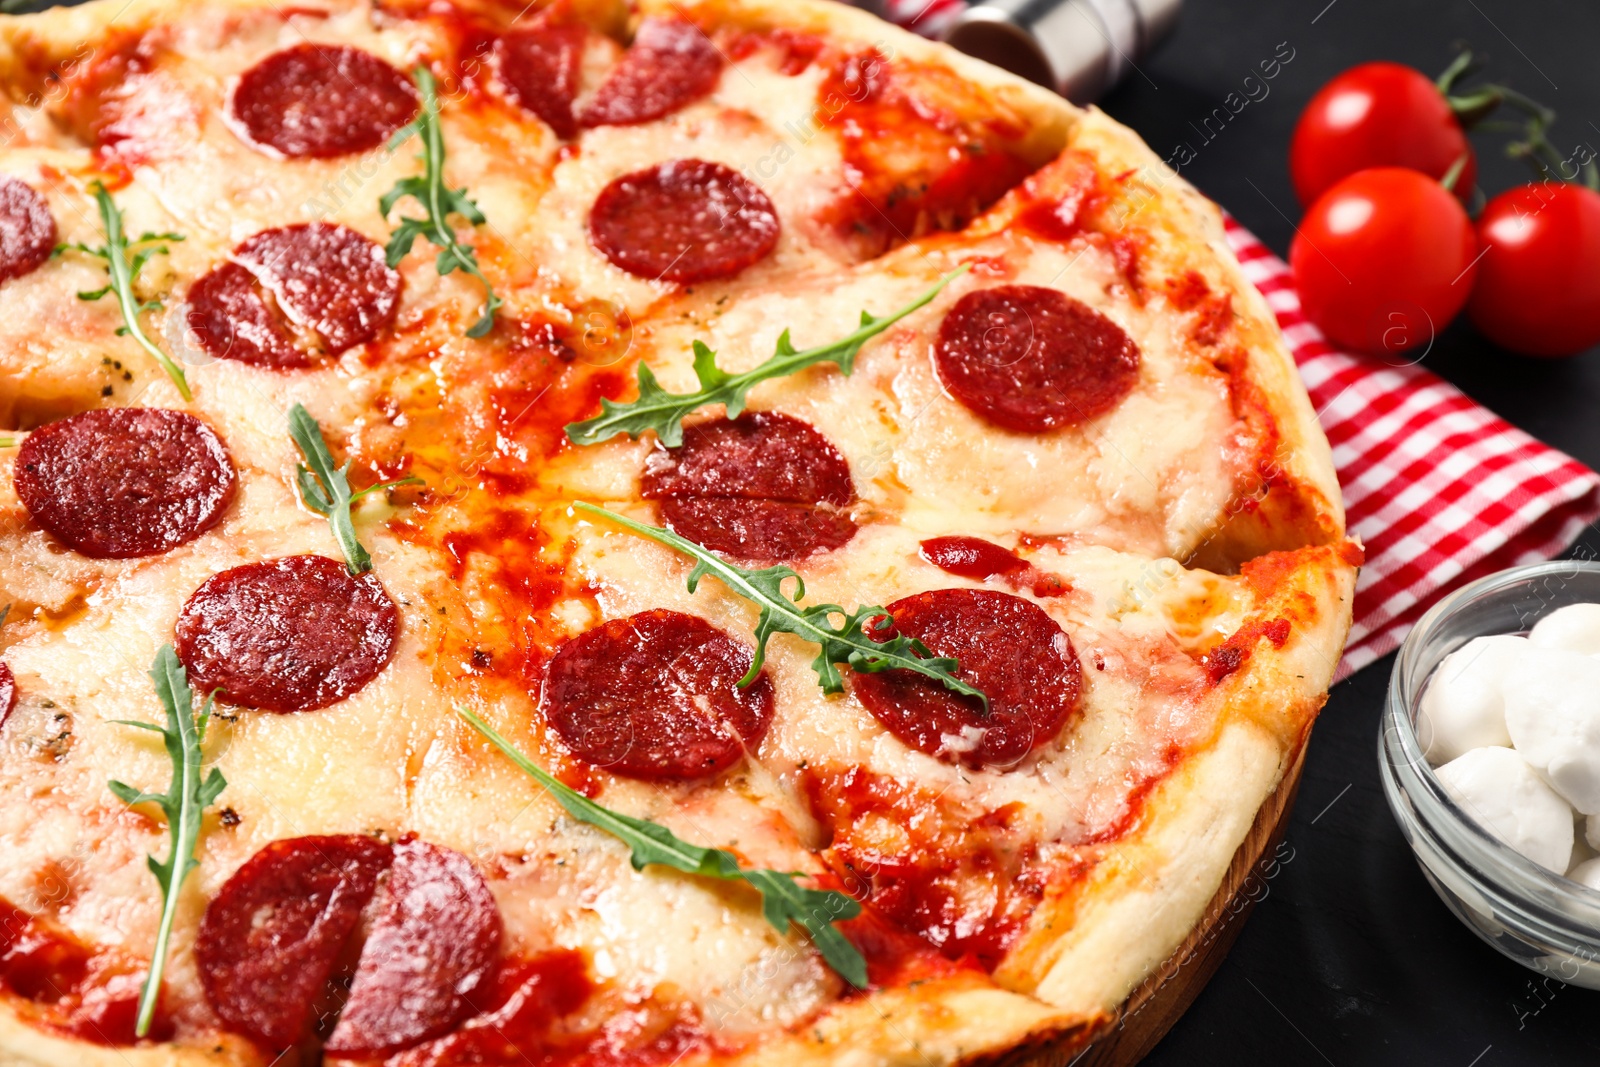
[(1377, 115), (1384, 260), (1538, 288)]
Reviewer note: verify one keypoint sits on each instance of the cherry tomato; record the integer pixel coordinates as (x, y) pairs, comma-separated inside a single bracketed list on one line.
[(1384, 260), (1538, 288), (1377, 115)]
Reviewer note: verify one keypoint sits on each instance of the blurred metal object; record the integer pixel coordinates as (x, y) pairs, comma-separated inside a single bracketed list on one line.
[(1079, 48)]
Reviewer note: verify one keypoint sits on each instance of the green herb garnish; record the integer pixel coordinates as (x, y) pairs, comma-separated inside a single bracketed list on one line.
[(186, 798), (783, 901), (850, 642), (124, 272), (664, 412), (439, 201), (326, 488)]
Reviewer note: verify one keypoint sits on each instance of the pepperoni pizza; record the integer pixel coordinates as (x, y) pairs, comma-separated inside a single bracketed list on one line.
[(707, 531)]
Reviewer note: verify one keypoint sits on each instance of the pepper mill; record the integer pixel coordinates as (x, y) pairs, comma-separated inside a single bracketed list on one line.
[(1079, 48)]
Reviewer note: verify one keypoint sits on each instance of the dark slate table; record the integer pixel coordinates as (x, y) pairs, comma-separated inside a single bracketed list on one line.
[(1350, 958)]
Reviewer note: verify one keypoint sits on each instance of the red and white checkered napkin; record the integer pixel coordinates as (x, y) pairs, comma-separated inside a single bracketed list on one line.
[(1440, 489)]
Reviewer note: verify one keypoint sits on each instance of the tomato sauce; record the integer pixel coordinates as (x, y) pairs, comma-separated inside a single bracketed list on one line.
[(476, 425), (527, 1019), (1229, 656), (961, 884), (1133, 810), (503, 557), (75, 988), (1212, 312), (980, 560), (1259, 439), (486, 417), (912, 168), (894, 956), (793, 51)]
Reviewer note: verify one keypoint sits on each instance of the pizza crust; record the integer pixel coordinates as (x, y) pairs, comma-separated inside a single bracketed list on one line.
[(956, 1020), (1152, 886), (25, 1045), (1089, 944)]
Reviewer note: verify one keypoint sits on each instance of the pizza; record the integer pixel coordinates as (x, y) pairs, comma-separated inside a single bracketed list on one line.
[(701, 531)]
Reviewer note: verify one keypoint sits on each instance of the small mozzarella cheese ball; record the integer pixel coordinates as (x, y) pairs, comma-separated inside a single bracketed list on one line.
[(1496, 787), (1574, 628), (1463, 706), (1552, 711), (1587, 874), (1591, 831)]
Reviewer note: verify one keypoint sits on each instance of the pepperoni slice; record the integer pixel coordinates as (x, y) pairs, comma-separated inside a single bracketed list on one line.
[(763, 487), (433, 948), (971, 557), (326, 278), (8, 692), (656, 696), (1032, 359), (290, 634), (314, 101), (539, 68), (117, 483), (27, 229), (231, 320), (670, 63), (685, 221), (980, 560), (272, 936), (1007, 647)]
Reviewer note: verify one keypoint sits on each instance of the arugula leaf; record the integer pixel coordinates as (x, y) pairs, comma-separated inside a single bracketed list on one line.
[(664, 412), (439, 201), (850, 642), (326, 488), (183, 804), (124, 272), (783, 900)]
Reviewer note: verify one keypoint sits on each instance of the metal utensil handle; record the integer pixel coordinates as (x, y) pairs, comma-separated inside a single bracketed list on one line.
[(1079, 48)]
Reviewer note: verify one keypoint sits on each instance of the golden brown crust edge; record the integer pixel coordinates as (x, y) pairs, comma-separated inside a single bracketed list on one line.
[(1148, 889), (24, 1045)]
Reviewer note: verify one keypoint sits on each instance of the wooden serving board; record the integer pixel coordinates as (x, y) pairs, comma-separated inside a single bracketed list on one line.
[(1156, 1004)]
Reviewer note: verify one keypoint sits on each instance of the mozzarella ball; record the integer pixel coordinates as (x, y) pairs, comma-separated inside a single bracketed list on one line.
[(1574, 628), (1587, 874), (1463, 706), (1496, 787), (1591, 831), (1552, 711)]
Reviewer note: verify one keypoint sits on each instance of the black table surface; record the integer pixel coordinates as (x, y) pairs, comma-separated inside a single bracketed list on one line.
[(1350, 958)]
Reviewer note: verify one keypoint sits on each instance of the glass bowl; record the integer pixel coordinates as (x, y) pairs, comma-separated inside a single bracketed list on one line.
[(1538, 918)]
